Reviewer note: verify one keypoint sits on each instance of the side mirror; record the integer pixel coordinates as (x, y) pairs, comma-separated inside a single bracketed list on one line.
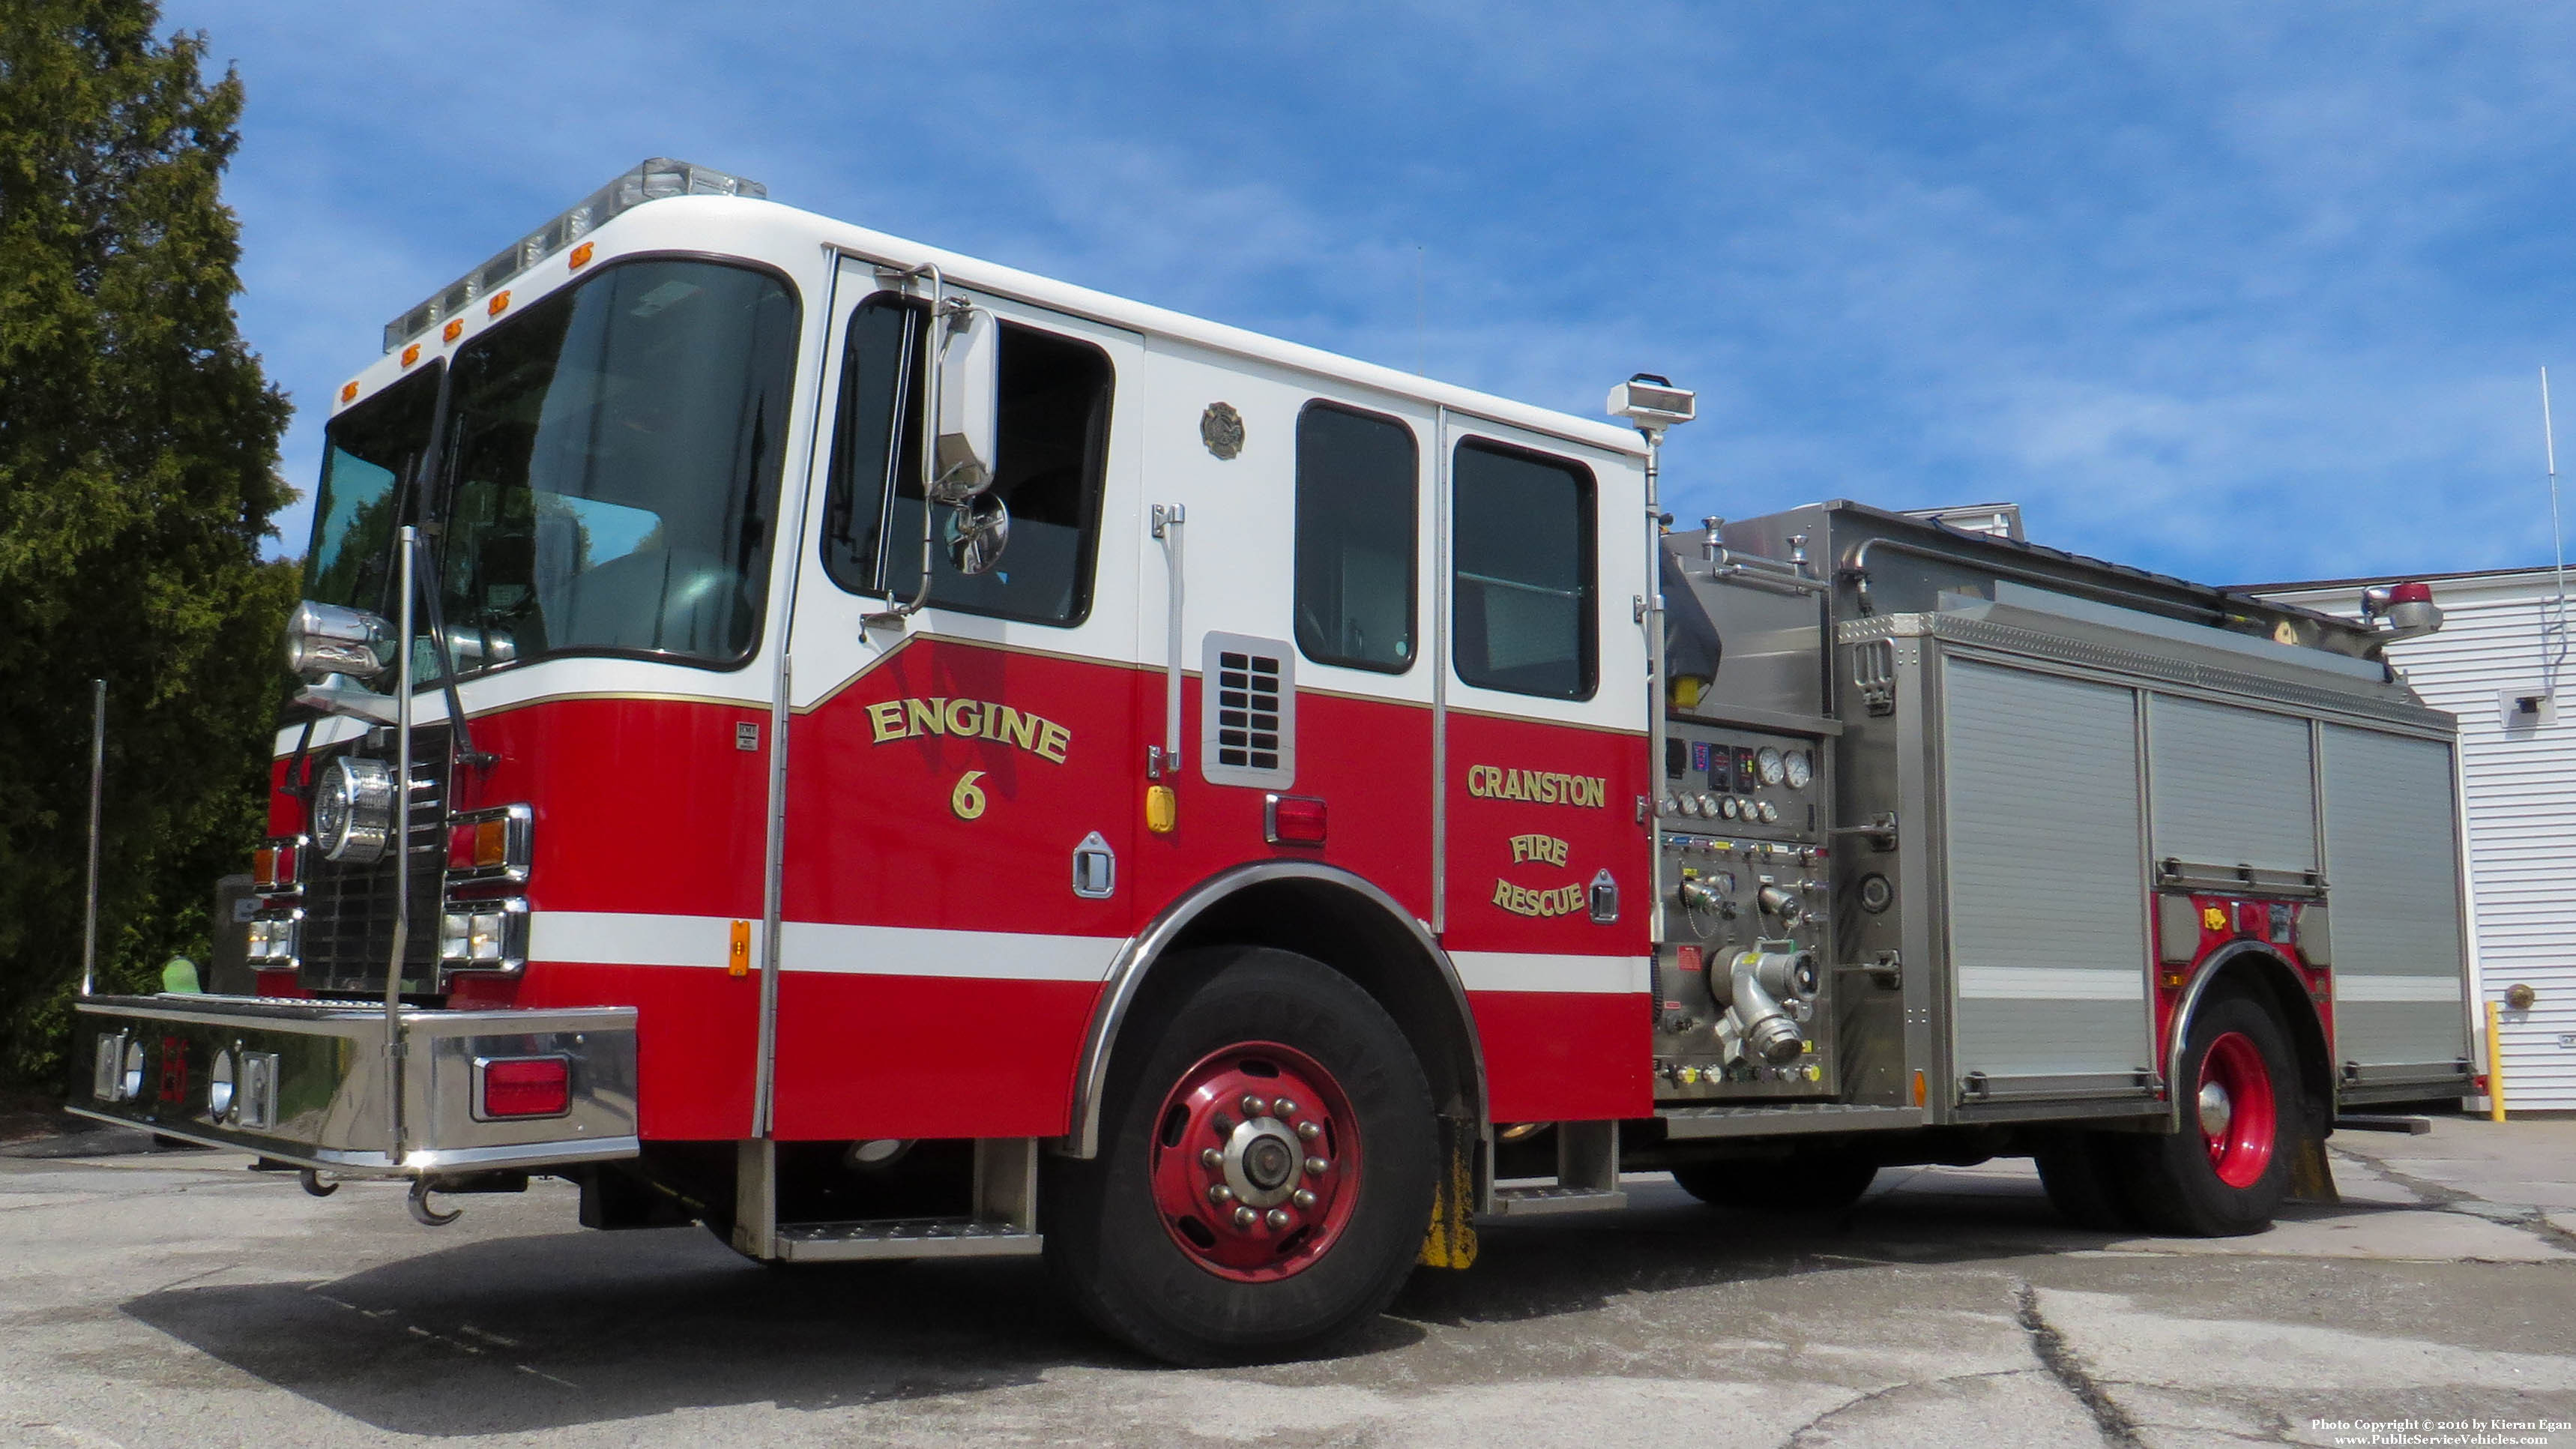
[(970, 376), (978, 530)]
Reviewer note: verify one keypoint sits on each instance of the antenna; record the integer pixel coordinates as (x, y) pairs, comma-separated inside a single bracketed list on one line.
[(2558, 544), (1419, 314)]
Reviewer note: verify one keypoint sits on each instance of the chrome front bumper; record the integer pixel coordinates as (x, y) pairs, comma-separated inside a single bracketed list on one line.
[(312, 1083)]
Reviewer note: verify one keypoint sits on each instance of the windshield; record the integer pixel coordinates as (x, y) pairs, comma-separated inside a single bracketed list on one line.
[(613, 457), (370, 455)]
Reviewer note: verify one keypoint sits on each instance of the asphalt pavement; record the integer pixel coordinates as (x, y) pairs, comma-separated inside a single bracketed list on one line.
[(179, 1299)]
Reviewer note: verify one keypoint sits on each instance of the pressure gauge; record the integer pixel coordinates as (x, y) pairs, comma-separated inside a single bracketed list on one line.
[(1689, 804), (1798, 770), (1768, 764), (1726, 807), (1770, 813)]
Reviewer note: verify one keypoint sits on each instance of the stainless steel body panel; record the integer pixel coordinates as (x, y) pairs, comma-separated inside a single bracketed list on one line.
[(330, 1075), (2391, 846), (2021, 742), (2046, 873), (2233, 786)]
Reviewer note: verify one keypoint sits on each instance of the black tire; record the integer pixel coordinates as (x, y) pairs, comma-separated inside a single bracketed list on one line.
[(1807, 1182), (1106, 1241), (2171, 1181), (2083, 1176)]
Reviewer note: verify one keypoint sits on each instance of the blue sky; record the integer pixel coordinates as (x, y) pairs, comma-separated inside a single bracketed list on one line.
[(2233, 291)]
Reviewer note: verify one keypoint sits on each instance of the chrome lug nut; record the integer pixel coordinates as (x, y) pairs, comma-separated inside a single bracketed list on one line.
[(1283, 1108), (1245, 1217), (1220, 1193), (1302, 1198), (1221, 1126), (1251, 1106), (1211, 1159), (1309, 1131), (1277, 1219), (1315, 1166)]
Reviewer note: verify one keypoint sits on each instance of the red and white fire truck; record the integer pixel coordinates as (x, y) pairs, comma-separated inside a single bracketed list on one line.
[(885, 755)]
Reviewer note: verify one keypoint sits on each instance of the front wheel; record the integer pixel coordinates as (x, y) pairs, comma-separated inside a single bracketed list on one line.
[(1266, 1170), (2225, 1173)]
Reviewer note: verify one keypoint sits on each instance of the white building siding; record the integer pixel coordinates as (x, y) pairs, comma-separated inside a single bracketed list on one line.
[(2518, 791)]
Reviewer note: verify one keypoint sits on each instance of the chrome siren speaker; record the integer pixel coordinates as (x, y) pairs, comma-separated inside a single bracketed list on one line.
[(353, 811), (326, 639)]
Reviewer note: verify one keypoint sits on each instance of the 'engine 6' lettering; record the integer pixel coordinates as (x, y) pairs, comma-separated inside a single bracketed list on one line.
[(1539, 787), (969, 719)]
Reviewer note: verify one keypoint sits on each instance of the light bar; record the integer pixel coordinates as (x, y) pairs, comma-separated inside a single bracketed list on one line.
[(652, 181)]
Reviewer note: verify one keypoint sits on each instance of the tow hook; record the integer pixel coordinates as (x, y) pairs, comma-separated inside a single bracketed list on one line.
[(422, 1213)]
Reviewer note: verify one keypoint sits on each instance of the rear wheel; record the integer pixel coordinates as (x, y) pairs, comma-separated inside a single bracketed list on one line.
[(2227, 1170), (1806, 1182), (1266, 1169)]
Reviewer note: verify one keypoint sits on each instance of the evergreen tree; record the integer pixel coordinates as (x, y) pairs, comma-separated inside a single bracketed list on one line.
[(138, 445)]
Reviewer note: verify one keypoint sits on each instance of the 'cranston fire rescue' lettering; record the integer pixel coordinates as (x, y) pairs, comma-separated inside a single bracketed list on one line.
[(1522, 901), (969, 719), (1539, 787)]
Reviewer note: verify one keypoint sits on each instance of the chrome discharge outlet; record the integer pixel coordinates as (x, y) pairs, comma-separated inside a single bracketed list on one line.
[(1758, 982)]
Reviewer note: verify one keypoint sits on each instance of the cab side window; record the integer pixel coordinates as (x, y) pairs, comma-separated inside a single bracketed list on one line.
[(1523, 585), (1356, 512), (1049, 461)]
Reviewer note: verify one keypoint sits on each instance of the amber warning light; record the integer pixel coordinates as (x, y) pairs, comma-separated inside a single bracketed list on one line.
[(484, 843)]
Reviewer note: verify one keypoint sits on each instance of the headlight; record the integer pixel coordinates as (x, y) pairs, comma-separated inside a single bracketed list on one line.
[(273, 938), (483, 935), (353, 811)]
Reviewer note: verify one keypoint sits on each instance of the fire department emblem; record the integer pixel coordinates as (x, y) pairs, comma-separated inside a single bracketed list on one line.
[(1221, 428)]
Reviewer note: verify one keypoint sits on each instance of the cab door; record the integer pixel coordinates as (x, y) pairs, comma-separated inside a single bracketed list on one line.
[(1546, 858), (959, 802), (1288, 614)]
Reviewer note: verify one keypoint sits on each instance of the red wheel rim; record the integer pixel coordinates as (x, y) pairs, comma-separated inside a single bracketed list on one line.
[(1255, 1162), (2237, 1117)]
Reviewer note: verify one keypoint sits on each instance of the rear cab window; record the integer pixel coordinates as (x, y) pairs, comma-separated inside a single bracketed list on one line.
[(1357, 511)]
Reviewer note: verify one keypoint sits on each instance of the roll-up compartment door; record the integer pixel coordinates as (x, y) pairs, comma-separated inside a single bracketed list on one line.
[(2392, 873), (2230, 786), (2047, 912)]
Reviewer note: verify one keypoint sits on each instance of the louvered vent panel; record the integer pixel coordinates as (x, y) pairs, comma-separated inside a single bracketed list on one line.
[(1248, 714)]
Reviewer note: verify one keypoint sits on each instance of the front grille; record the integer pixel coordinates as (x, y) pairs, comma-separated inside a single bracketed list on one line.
[(349, 909)]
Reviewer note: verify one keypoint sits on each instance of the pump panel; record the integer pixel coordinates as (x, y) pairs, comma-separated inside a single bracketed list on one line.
[(1743, 979)]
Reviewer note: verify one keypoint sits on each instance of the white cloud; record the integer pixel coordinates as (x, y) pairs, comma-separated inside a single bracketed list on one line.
[(2223, 290)]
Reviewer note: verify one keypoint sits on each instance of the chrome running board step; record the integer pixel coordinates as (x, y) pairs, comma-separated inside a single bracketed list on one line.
[(1540, 1201), (903, 1238)]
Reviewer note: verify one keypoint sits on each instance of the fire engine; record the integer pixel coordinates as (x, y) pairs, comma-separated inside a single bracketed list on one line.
[(884, 755)]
